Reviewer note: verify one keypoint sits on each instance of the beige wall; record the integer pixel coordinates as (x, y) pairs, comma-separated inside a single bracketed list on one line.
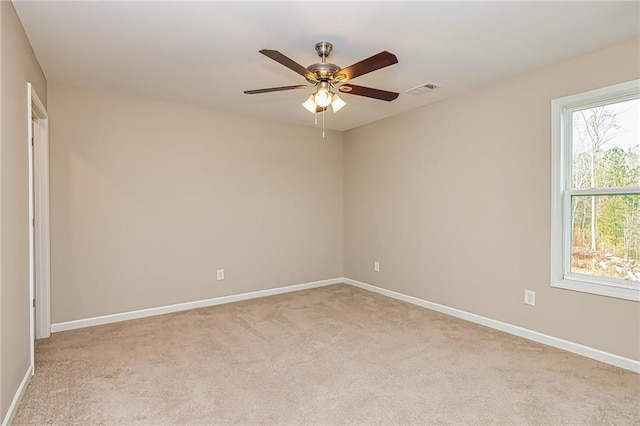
[(19, 66), (454, 201), (148, 199)]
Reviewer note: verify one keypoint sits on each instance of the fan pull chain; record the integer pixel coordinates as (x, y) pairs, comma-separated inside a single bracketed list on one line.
[(323, 122)]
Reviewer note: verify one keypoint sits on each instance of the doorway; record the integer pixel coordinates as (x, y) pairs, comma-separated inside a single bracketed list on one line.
[(39, 257)]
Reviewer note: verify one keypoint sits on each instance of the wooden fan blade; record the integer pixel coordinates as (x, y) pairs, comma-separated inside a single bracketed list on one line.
[(375, 62), (275, 89), (289, 63), (383, 95)]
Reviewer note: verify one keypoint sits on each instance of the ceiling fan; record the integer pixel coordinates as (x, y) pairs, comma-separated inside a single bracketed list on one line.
[(326, 76)]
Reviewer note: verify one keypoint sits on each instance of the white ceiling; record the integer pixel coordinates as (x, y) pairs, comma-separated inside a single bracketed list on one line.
[(206, 53)]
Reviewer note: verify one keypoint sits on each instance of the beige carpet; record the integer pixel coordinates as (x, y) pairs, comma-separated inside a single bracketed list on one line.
[(334, 355)]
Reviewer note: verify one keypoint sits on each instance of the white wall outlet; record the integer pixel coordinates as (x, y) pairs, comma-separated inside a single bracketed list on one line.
[(220, 274), (530, 297), (376, 266)]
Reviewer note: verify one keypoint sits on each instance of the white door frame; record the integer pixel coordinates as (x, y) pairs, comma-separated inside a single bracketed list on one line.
[(39, 256)]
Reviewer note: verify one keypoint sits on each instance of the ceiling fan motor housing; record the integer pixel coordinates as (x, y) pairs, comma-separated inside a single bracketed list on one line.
[(324, 70)]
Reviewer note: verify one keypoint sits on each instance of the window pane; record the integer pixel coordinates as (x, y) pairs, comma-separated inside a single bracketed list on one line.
[(606, 146), (606, 236)]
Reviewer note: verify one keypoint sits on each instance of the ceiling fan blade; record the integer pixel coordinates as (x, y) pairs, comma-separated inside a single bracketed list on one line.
[(275, 89), (383, 95), (289, 63), (375, 62)]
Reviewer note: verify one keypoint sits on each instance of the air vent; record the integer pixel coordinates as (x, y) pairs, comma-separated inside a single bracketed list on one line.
[(423, 88)]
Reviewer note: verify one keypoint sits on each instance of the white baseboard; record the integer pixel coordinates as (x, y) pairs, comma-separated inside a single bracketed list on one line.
[(576, 348), (589, 352), (13, 408), (142, 313)]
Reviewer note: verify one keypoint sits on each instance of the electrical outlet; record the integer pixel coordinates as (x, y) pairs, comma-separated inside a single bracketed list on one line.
[(376, 266), (220, 274), (530, 297)]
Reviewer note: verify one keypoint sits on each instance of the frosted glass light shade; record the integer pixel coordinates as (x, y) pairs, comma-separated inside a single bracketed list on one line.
[(310, 105), (337, 103)]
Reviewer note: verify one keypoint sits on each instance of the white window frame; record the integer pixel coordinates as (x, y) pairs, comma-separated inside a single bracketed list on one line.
[(561, 192)]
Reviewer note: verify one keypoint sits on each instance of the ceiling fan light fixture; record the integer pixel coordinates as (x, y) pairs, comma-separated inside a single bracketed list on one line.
[(337, 103), (310, 105)]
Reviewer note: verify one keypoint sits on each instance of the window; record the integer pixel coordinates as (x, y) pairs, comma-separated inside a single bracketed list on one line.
[(595, 224)]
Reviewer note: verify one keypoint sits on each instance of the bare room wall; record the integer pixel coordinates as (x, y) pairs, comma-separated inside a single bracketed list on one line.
[(453, 200), (148, 199), (19, 66)]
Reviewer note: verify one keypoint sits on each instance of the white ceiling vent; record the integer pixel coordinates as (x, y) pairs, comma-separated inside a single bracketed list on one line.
[(423, 88)]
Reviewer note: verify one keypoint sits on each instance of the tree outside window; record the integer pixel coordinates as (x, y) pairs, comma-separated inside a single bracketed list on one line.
[(606, 154)]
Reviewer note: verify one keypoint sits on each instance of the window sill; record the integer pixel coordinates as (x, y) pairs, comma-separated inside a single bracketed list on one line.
[(587, 284)]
